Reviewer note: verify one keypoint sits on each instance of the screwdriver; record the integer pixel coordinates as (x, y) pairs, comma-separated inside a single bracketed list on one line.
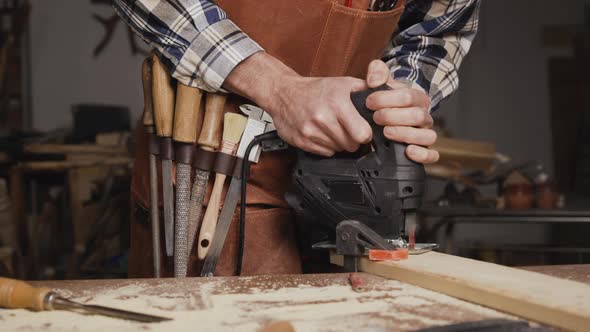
[(15, 294)]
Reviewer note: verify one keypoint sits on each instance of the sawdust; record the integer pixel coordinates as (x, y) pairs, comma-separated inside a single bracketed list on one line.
[(216, 306)]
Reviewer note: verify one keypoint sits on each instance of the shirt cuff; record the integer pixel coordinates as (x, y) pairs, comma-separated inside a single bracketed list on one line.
[(213, 54)]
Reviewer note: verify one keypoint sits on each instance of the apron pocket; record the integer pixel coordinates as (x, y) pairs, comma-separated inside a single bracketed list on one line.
[(352, 38)]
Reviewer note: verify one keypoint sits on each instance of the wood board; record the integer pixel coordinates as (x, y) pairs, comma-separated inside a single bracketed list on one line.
[(554, 301)]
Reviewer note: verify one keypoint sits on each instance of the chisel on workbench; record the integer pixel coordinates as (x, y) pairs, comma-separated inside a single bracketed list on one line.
[(15, 294), (254, 127), (163, 98), (186, 114), (233, 127), (208, 144), (148, 122)]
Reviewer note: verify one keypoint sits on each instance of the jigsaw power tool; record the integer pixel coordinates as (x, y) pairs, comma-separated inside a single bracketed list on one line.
[(368, 200)]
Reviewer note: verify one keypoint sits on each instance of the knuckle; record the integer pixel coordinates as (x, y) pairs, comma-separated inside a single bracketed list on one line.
[(319, 117), (406, 97), (307, 131), (433, 136), (420, 117)]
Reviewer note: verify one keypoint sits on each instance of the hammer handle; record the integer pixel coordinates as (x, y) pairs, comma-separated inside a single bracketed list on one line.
[(210, 138), (163, 97), (15, 294), (146, 78)]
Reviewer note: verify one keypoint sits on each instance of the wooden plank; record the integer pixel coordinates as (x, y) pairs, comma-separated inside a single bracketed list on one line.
[(472, 154), (554, 301)]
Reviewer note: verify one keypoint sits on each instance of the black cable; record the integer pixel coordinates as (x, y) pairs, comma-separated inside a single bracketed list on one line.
[(245, 172)]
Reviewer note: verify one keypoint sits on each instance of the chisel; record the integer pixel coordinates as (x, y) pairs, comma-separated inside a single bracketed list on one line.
[(208, 144), (15, 294), (163, 98), (254, 126), (233, 127), (188, 103), (148, 122)]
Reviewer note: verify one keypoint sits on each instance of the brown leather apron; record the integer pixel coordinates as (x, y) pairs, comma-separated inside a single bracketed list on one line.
[(315, 38)]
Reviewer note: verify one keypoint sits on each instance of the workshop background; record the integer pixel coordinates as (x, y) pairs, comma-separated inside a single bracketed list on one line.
[(70, 94)]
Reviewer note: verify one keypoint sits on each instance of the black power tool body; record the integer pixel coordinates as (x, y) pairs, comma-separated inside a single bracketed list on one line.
[(365, 198)]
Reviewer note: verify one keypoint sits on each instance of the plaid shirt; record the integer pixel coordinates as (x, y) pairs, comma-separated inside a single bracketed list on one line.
[(202, 46)]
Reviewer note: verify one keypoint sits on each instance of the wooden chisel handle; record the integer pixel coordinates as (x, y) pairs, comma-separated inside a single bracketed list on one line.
[(186, 114), (210, 219), (16, 294), (210, 138), (148, 108), (163, 98)]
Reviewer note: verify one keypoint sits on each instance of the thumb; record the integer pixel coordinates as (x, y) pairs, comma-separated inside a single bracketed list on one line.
[(378, 74)]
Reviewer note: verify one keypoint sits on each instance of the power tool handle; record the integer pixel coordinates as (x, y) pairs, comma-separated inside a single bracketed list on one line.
[(16, 294), (385, 148)]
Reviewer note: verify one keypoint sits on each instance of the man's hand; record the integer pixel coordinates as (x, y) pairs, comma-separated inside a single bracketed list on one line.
[(313, 114), (317, 115), (404, 113)]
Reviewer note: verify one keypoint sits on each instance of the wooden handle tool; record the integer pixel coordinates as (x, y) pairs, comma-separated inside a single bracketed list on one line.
[(186, 115), (148, 105), (210, 138), (163, 99), (149, 123), (234, 125), (15, 294), (209, 141)]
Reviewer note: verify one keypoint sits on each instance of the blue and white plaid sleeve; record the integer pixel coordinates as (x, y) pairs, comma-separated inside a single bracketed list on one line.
[(196, 40), (434, 37)]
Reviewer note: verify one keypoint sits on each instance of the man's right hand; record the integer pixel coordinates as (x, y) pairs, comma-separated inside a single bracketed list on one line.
[(313, 114), (317, 115)]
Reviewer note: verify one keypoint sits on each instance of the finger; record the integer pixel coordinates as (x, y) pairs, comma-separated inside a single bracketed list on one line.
[(312, 132), (337, 133), (397, 99), (414, 117), (358, 84), (378, 74), (422, 155), (357, 128), (410, 135), (317, 149)]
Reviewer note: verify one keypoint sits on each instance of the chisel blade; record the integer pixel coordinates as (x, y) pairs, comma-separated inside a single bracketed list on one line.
[(64, 304), (155, 215), (225, 217), (183, 191), (168, 199)]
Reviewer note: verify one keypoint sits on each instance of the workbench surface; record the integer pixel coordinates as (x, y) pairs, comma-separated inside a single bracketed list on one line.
[(322, 302)]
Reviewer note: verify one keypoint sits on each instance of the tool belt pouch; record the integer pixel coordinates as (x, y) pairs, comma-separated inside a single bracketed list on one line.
[(316, 37)]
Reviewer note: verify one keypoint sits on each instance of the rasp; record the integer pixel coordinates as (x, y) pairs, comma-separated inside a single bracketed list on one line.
[(233, 127), (208, 144), (254, 127), (163, 98), (186, 114), (148, 122)]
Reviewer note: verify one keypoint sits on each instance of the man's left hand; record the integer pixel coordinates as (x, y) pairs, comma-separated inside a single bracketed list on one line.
[(404, 113)]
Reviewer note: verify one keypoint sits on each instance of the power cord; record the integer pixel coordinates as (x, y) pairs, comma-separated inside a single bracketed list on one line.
[(271, 135)]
